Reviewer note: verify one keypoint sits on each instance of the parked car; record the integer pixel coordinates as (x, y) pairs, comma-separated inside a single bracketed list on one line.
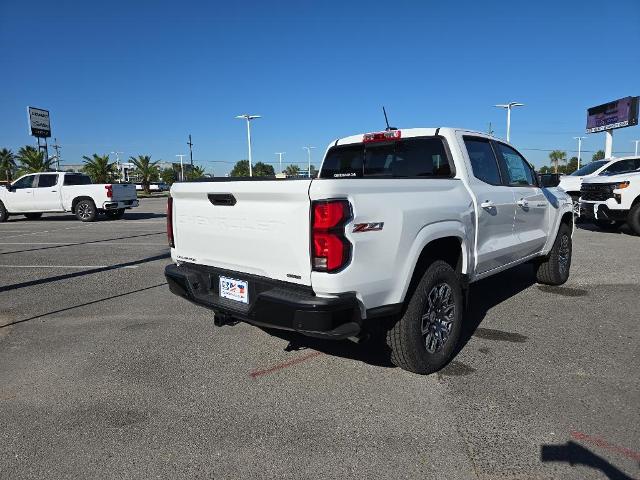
[(572, 183), (391, 233), (612, 200), (154, 187), (48, 192)]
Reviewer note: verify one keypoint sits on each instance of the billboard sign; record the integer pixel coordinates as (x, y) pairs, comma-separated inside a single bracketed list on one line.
[(39, 124), (617, 114)]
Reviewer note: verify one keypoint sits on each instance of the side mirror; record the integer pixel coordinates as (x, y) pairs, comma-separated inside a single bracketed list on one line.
[(548, 180)]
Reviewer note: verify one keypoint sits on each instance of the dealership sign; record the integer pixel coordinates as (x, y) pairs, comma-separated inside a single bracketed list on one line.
[(39, 125), (617, 114)]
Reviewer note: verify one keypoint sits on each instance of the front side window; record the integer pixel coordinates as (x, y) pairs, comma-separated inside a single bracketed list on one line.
[(518, 170), (45, 181), (25, 182), (423, 157), (483, 160)]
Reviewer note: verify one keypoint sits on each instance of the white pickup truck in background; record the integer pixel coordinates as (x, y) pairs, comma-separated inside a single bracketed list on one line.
[(392, 231), (50, 192)]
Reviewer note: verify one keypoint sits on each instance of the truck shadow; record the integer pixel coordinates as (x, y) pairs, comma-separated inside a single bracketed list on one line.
[(590, 227), (484, 295), (66, 217)]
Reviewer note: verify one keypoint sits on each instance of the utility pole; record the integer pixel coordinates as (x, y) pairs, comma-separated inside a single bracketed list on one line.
[(57, 149), (636, 142), (248, 118), (280, 154), (181, 167), (579, 147), (508, 107), (117, 154), (490, 131), (308, 149), (190, 150)]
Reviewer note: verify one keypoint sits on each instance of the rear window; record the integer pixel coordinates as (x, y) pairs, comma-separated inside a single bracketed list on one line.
[(77, 180), (408, 158)]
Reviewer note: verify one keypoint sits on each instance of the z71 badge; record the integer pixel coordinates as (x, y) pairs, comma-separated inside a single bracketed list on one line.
[(367, 227)]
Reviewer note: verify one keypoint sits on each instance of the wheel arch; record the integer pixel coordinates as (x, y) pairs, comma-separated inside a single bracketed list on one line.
[(77, 200)]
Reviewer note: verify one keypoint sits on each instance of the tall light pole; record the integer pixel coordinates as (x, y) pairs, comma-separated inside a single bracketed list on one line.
[(508, 107), (181, 167), (636, 142), (579, 147), (117, 154), (308, 149), (248, 118), (280, 154)]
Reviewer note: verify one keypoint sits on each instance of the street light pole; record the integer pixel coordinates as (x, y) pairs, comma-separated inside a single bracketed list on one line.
[(636, 142), (508, 107), (181, 167), (248, 118), (308, 149), (579, 147), (280, 154)]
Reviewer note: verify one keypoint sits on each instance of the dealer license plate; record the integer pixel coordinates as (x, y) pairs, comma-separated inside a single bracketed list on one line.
[(233, 289)]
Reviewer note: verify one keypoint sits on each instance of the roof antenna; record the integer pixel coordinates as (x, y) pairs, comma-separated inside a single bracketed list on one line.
[(388, 129)]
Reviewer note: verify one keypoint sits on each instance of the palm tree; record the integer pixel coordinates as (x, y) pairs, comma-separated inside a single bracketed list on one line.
[(33, 161), (556, 157), (99, 168), (292, 170), (7, 164), (146, 169)]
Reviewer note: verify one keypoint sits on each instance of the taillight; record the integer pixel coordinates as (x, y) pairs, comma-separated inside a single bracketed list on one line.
[(329, 247), (386, 136), (170, 222), (109, 189)]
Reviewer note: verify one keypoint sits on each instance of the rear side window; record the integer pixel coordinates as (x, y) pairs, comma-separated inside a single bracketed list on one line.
[(77, 180), (409, 158), (483, 160), (45, 181)]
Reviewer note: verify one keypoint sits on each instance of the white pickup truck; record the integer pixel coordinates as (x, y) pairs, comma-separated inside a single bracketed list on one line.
[(392, 231), (611, 200), (49, 192)]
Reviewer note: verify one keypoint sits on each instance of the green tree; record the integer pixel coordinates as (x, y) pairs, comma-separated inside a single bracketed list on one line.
[(32, 161), (145, 169), (240, 169), (599, 155), (195, 172), (261, 169), (7, 164), (314, 171), (168, 176), (544, 169), (572, 165), (556, 157), (99, 168), (292, 170)]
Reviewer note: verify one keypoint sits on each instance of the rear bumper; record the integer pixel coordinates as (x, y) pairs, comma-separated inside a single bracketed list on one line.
[(272, 303), (119, 205)]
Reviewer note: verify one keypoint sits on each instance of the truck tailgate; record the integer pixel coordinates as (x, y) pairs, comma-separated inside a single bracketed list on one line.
[(123, 191), (258, 227)]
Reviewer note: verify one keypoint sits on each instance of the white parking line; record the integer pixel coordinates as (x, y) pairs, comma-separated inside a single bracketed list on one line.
[(80, 267)]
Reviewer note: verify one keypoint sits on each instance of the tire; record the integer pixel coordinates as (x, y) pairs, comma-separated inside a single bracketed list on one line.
[(33, 216), (4, 215), (86, 211), (609, 225), (115, 214), (554, 268), (633, 219), (436, 307)]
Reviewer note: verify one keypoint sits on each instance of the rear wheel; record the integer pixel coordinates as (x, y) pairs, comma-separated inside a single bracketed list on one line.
[(554, 269), (4, 215), (634, 218), (86, 211), (33, 215), (609, 224), (425, 337), (115, 214)]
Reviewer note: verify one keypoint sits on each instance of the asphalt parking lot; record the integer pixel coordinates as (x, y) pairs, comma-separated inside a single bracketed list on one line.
[(105, 374)]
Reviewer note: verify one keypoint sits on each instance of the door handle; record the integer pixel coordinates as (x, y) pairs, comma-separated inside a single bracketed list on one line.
[(522, 203), (53, 191), (487, 204)]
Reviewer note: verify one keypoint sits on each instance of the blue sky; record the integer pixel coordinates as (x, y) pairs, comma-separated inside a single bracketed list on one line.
[(138, 77)]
